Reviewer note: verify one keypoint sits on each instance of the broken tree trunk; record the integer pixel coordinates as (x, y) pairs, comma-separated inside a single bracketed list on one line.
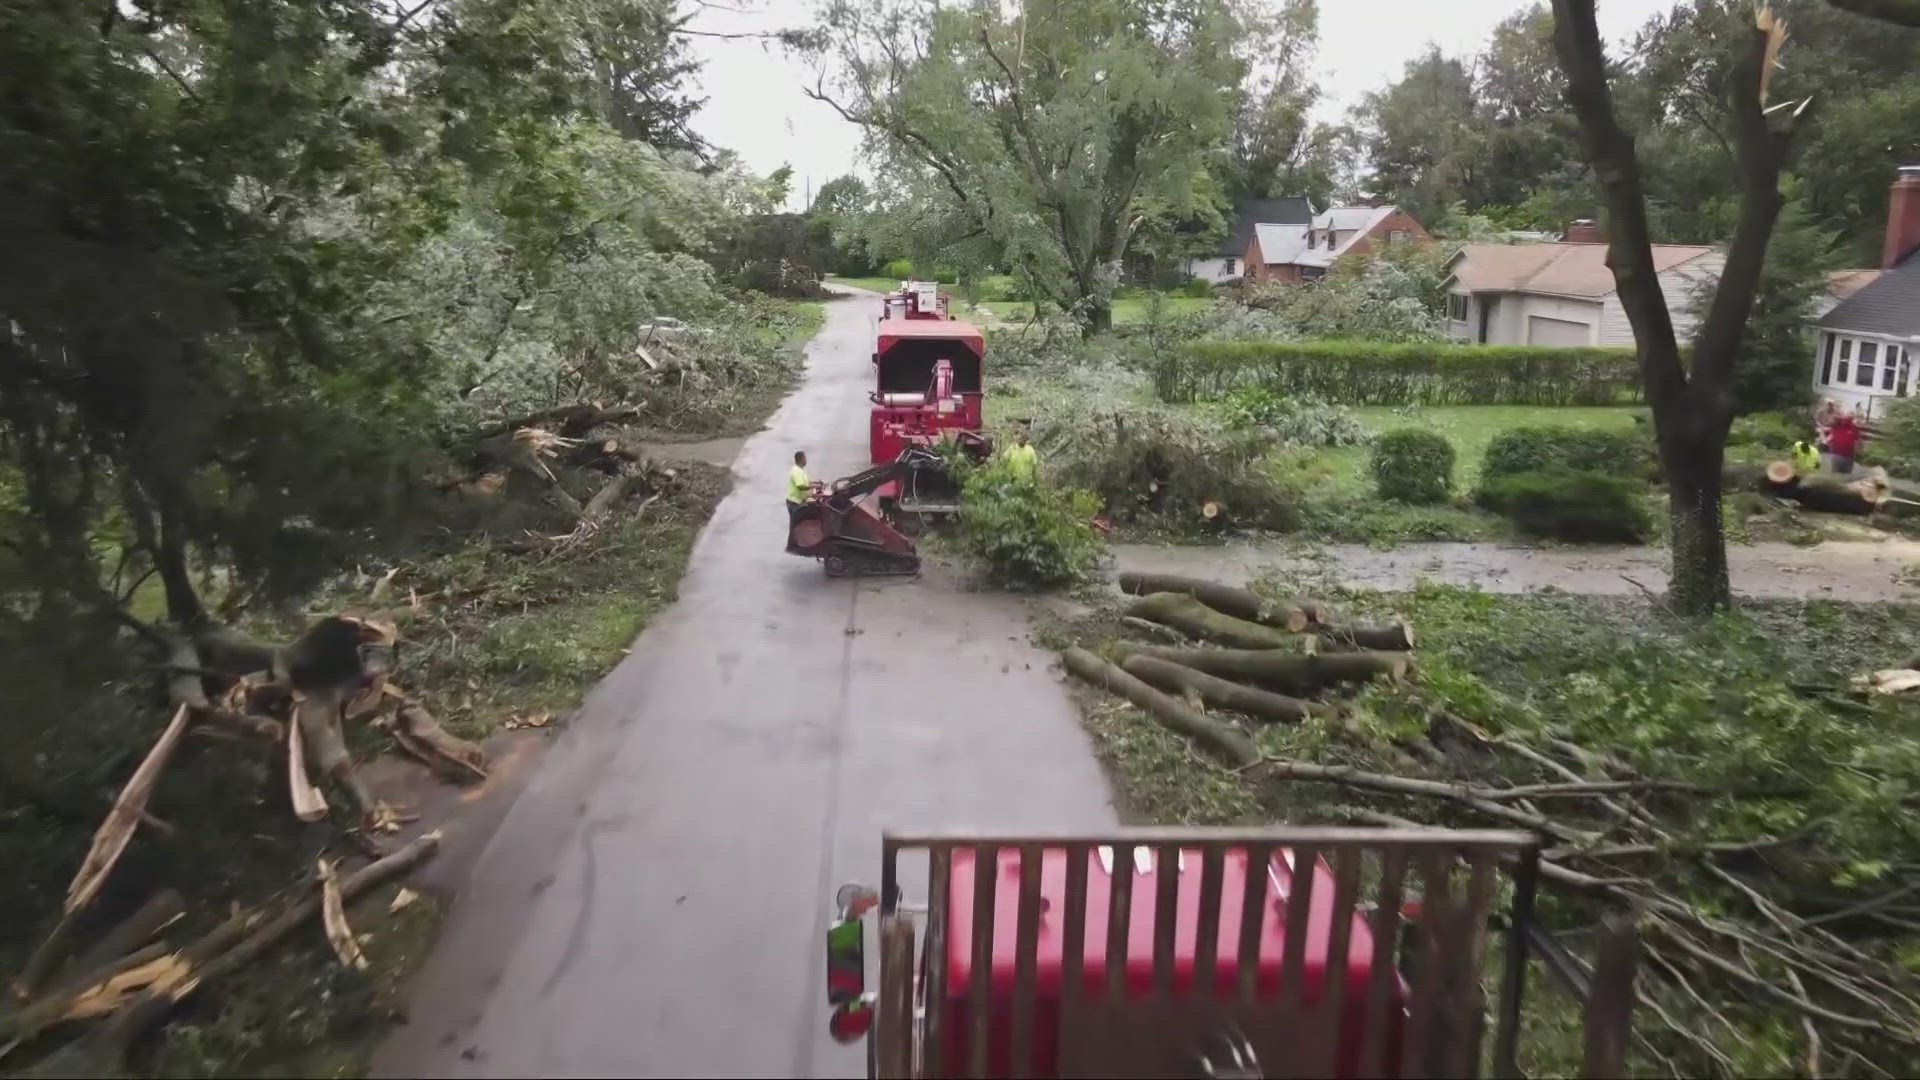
[(1395, 638), (1196, 619), (1239, 603), (420, 735), (135, 930), (1223, 740), (1218, 693), (1282, 670), (225, 950), (114, 833)]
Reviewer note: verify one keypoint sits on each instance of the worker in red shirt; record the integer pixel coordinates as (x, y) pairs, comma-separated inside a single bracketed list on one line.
[(1843, 440)]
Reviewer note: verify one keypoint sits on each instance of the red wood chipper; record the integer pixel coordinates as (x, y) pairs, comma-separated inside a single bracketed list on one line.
[(927, 387), (1196, 952)]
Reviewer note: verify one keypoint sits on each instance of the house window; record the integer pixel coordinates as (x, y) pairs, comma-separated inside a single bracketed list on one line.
[(1456, 307), (1863, 370), (1398, 236), (1826, 362), (1846, 362), (1890, 369), (1229, 267)]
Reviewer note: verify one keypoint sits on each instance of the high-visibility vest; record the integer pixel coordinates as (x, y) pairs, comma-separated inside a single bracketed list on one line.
[(797, 485), (1805, 457)]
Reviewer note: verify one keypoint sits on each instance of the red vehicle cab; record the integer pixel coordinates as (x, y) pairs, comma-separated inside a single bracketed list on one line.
[(927, 384)]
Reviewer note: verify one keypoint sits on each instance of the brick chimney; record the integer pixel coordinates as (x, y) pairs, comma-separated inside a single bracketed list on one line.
[(1903, 217), (1583, 231)]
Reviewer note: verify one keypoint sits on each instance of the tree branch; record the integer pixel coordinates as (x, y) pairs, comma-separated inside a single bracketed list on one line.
[(1760, 153), (1576, 38)]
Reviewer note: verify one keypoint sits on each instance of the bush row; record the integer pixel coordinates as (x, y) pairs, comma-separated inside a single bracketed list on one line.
[(1555, 448), (1570, 504), (1412, 373)]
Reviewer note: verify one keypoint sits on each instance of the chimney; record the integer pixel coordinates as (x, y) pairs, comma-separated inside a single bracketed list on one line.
[(1583, 231), (1903, 217)]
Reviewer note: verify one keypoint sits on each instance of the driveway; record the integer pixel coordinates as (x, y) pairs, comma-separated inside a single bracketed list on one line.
[(654, 903)]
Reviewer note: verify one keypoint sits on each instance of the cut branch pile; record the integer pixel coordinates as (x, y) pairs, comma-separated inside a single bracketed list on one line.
[(1613, 832), (580, 458), (1832, 494)]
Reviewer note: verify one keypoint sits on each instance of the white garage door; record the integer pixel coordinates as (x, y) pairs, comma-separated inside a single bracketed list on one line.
[(1543, 331)]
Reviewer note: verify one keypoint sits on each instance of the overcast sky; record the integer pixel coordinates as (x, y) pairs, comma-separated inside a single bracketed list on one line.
[(755, 105)]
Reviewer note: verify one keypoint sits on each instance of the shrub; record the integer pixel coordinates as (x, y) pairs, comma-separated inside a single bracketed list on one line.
[(1772, 430), (1028, 536), (1413, 466), (898, 268), (1292, 421), (1409, 373), (1560, 448), (1160, 465), (1198, 288), (1572, 505)]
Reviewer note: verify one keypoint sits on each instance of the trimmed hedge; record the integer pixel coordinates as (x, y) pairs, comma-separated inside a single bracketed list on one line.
[(1411, 373), (1569, 504), (1413, 466), (1557, 448)]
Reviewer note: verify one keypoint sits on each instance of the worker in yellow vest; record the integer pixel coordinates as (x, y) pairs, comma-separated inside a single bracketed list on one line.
[(798, 486), (1806, 457), (1023, 462)]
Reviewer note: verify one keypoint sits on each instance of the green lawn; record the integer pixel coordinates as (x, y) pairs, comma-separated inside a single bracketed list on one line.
[(876, 284), (1468, 427)]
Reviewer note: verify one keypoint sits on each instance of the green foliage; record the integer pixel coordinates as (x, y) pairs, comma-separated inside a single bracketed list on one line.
[(1395, 295), (1776, 346), (1557, 448), (1423, 373), (901, 269), (1414, 466), (1199, 288), (1301, 421), (1028, 536), (1771, 430), (1153, 465), (1570, 505), (1059, 141)]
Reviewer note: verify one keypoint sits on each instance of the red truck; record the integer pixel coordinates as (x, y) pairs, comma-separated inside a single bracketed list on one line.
[(1132, 955)]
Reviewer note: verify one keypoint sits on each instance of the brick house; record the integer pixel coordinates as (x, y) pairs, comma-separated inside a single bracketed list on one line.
[(1295, 253)]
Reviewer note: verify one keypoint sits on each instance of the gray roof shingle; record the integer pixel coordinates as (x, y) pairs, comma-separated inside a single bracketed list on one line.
[(1292, 210), (1891, 305)]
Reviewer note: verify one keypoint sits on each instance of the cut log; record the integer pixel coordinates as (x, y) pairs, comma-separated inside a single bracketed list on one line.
[(309, 804), (1218, 693), (1827, 493), (1225, 599), (1196, 619), (110, 840), (1283, 670), (1217, 738), (1164, 633), (1395, 638)]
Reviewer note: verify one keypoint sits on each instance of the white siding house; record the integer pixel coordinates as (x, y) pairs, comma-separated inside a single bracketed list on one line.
[(1562, 293)]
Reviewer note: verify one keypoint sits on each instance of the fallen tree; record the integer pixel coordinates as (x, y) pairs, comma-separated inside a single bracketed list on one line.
[(1218, 693), (1281, 669), (1226, 599), (1830, 494), (1196, 619), (1220, 739)]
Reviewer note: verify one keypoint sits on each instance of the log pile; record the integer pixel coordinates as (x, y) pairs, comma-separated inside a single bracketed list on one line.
[(1613, 833), (1863, 494)]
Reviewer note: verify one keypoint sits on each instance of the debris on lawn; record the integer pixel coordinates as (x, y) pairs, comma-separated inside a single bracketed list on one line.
[(1615, 834)]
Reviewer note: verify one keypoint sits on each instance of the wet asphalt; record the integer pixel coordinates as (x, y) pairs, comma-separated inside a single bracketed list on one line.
[(654, 902)]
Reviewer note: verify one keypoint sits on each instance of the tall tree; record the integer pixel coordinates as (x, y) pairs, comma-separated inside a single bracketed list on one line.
[(1423, 136), (1277, 148), (643, 66), (1693, 402), (1058, 129)]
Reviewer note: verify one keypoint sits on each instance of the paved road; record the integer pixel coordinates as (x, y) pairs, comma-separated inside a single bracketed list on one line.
[(654, 903), (1857, 571)]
